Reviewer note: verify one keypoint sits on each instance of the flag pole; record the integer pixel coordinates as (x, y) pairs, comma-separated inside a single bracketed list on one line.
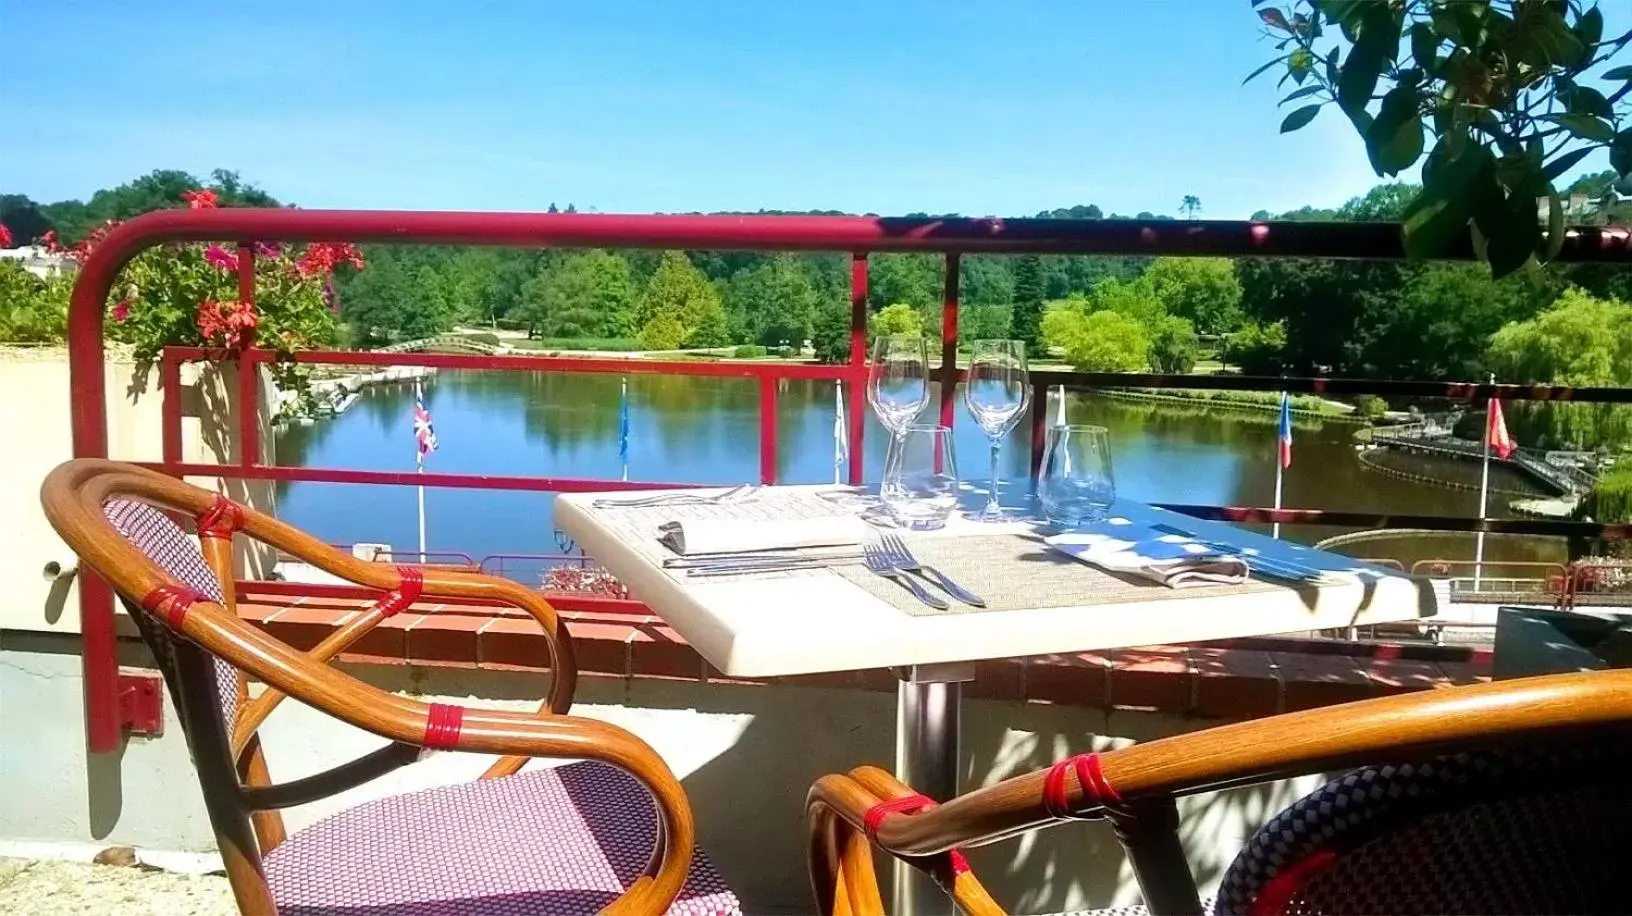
[(623, 427), (1280, 472), (1059, 415), (422, 514), (1484, 492)]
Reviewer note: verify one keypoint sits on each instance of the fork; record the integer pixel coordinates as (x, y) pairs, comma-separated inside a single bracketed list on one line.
[(896, 549), (879, 562), (675, 499)]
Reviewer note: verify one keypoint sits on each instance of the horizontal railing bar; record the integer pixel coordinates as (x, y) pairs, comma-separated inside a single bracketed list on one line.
[(526, 363), (1332, 386), (1336, 519), (856, 234), (409, 478), (563, 601)]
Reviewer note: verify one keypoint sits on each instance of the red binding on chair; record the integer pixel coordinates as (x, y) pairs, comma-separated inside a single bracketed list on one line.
[(170, 603), (1278, 891), (909, 804), (221, 519), (407, 592), (443, 725), (1097, 791)]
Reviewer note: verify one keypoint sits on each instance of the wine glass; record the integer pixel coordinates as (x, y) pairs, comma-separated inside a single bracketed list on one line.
[(920, 487), (997, 391), (1077, 484), (898, 382)]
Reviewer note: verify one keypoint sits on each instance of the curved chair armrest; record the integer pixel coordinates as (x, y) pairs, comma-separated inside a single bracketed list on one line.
[(1247, 752)]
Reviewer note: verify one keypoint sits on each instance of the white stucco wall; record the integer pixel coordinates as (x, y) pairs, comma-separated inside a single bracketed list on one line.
[(746, 755), (35, 402)]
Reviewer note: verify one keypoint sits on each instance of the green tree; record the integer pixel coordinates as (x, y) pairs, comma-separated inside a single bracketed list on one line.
[(585, 295), (679, 296), (987, 322), (32, 310), (382, 303), (773, 303), (1134, 299), (1101, 341), (830, 332), (1173, 345), (895, 320), (915, 279), (1027, 320), (1191, 206), (663, 332), (22, 217), (1203, 290), (1579, 341), (1256, 349)]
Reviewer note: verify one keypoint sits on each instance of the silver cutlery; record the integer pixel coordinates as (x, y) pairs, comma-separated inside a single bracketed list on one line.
[(764, 566), (879, 562), (898, 553), (676, 499), (747, 558)]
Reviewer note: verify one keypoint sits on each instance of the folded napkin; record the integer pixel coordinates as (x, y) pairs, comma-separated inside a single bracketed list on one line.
[(1121, 546), (741, 535)]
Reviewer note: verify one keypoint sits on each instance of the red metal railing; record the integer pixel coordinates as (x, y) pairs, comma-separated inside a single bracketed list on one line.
[(857, 236)]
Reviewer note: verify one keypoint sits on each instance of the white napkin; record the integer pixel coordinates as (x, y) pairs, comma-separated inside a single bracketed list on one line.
[(741, 535), (1166, 559)]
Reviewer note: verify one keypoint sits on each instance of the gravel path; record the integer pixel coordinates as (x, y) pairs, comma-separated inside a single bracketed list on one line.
[(33, 888)]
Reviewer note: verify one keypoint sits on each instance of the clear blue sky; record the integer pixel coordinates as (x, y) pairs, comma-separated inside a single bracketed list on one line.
[(633, 106)]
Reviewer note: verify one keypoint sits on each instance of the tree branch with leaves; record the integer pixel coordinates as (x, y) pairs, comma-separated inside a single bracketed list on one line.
[(1502, 88)]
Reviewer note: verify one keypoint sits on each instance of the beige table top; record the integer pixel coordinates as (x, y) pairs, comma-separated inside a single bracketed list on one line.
[(811, 621)]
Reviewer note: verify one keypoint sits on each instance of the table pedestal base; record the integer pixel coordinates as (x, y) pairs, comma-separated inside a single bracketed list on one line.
[(929, 700)]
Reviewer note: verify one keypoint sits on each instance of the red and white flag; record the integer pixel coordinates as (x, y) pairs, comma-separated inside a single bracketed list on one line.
[(1496, 435)]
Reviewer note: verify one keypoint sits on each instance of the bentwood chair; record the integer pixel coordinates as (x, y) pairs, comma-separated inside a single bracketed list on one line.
[(1507, 797), (611, 833)]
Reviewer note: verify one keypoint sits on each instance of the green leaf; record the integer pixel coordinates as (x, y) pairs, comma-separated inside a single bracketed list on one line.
[(1299, 118), (1424, 46), (1541, 38), (1589, 29), (1586, 127), (1346, 13), (1394, 140), (1620, 152), (1586, 100), (1303, 93), (1442, 209), (1619, 73), (1260, 71), (1563, 163)]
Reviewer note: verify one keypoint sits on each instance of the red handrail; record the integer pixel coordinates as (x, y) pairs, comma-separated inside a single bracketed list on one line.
[(856, 235)]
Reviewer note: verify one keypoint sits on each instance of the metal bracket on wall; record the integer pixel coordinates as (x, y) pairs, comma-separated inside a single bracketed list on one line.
[(141, 703)]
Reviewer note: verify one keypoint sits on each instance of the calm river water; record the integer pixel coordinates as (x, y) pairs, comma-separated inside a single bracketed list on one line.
[(705, 430)]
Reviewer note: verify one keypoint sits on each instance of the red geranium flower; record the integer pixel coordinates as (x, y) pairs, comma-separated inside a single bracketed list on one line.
[(5, 236), (220, 258), (200, 199), (324, 257), (227, 324), (121, 311), (49, 240)]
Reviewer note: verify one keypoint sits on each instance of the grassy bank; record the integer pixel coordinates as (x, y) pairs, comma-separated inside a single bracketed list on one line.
[(1306, 405)]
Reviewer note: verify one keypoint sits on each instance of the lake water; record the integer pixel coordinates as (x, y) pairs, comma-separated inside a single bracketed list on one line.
[(706, 430)]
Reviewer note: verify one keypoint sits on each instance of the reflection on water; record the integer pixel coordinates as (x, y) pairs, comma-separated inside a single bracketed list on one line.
[(706, 430)]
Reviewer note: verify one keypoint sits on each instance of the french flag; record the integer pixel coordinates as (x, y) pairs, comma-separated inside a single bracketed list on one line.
[(1284, 439)]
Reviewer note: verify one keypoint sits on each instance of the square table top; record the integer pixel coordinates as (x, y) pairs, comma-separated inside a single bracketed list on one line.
[(812, 621)]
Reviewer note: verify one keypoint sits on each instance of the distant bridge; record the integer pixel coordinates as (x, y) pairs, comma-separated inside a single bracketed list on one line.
[(1558, 477), (446, 343)]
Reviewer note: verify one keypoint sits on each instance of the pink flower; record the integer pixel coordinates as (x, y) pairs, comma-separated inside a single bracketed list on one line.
[(5, 236), (219, 258), (200, 199), (121, 311), (265, 250)]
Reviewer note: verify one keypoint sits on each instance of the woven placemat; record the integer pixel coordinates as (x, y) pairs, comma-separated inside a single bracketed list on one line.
[(1017, 572)]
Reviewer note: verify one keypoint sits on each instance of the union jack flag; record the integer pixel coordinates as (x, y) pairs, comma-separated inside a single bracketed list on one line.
[(424, 433)]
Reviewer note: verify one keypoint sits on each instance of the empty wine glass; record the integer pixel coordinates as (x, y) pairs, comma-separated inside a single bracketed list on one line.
[(920, 487), (997, 391), (1076, 484), (898, 381)]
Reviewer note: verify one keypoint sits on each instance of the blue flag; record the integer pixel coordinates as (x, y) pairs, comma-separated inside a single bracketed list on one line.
[(623, 425), (1284, 439)]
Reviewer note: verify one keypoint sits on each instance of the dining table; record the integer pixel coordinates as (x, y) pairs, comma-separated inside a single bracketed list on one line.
[(828, 611)]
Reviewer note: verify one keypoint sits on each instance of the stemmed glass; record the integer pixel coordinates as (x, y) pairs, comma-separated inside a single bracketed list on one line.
[(997, 391), (898, 382)]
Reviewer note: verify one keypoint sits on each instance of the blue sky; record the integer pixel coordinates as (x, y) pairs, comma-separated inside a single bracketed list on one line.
[(633, 106)]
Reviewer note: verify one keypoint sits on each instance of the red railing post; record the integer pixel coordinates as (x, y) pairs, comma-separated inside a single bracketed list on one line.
[(767, 429), (858, 363), (949, 341), (170, 407), (249, 414)]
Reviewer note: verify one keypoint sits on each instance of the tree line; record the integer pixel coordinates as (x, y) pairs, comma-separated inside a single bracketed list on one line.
[(1364, 319)]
